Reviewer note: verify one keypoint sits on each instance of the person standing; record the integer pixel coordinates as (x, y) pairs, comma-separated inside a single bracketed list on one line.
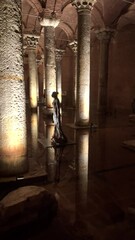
[(58, 136)]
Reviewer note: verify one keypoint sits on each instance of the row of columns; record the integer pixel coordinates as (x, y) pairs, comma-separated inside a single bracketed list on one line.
[(82, 70), (13, 139), (51, 77), (54, 62)]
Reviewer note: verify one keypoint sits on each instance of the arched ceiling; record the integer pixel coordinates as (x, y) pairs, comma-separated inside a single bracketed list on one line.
[(116, 14)]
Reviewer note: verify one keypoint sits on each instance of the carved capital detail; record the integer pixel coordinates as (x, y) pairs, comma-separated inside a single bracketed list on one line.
[(82, 5), (73, 45), (31, 41), (59, 54), (49, 19), (104, 34)]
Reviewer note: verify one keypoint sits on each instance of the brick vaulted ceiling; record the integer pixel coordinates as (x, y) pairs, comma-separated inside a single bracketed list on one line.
[(116, 14)]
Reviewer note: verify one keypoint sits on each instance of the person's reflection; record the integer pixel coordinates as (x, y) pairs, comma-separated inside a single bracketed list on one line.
[(58, 158)]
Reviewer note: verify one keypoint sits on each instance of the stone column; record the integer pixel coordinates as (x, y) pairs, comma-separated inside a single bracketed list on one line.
[(83, 62), (104, 35), (13, 144), (43, 59), (42, 81), (33, 76), (50, 62), (73, 46), (59, 55)]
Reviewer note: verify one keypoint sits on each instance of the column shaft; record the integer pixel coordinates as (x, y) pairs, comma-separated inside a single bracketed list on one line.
[(104, 37), (73, 45), (50, 64), (33, 76), (83, 69), (13, 146), (49, 23), (59, 55), (82, 117)]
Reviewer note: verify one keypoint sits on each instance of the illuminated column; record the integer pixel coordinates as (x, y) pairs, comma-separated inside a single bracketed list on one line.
[(50, 62), (104, 35), (40, 80), (73, 46), (43, 59), (33, 76), (83, 62), (13, 145), (59, 55)]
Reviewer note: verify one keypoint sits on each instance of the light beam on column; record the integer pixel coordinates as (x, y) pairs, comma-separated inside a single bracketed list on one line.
[(84, 8), (33, 76), (13, 144), (50, 62), (59, 55)]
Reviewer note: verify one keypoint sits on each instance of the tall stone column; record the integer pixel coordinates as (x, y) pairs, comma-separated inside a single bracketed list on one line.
[(73, 45), (43, 59), (104, 35), (83, 62), (50, 61), (33, 75), (13, 144), (59, 55)]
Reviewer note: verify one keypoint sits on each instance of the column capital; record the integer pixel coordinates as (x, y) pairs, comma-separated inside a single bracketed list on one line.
[(59, 54), (31, 40), (104, 34), (82, 5), (73, 45), (49, 19), (49, 22)]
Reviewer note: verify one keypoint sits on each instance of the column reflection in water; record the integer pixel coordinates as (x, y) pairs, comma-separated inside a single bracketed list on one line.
[(50, 156), (41, 123), (98, 152), (34, 134), (37, 143), (82, 150), (81, 191)]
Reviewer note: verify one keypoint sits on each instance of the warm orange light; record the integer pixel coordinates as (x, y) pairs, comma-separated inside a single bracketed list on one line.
[(34, 132)]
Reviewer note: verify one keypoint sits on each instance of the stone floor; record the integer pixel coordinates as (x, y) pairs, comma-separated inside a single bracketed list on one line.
[(92, 177)]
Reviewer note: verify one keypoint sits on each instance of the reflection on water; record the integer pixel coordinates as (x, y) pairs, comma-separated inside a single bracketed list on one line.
[(104, 144), (34, 134), (82, 153), (70, 156), (93, 177)]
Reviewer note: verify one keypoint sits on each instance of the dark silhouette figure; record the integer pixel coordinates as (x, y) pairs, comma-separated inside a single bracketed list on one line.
[(58, 137)]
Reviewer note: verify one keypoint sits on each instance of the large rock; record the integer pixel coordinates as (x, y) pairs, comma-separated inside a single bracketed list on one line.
[(26, 204)]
